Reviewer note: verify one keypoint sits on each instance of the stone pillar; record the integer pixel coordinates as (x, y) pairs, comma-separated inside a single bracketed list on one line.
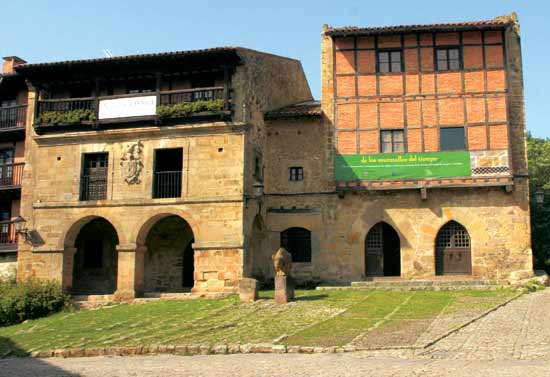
[(284, 289), (68, 269), (129, 271), (248, 290)]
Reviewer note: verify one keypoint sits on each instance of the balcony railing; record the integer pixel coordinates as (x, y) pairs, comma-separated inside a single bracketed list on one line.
[(164, 98), (93, 187), (8, 237), (11, 175), (167, 184), (13, 117)]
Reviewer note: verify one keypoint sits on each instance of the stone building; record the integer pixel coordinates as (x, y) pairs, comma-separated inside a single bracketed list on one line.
[(13, 112), (170, 171), (414, 163), (141, 169)]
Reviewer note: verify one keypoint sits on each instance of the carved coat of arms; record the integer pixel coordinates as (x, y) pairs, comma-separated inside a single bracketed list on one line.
[(131, 163)]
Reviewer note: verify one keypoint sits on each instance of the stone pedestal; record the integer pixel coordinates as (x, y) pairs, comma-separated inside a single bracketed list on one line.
[(284, 289), (248, 290)]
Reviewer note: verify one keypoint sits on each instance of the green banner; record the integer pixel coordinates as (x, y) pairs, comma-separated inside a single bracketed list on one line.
[(402, 166)]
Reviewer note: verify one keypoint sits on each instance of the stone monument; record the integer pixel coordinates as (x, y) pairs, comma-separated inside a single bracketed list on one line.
[(284, 287), (248, 289)]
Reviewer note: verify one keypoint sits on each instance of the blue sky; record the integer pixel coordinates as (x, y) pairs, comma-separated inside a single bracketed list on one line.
[(43, 30)]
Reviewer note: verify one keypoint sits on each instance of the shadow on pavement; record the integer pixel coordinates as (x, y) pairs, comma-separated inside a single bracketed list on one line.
[(14, 366)]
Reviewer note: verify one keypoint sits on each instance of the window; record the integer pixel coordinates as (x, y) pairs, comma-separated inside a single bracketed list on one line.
[(392, 141), (389, 61), (296, 173), (93, 182), (452, 139), (297, 241), (448, 59), (141, 86), (167, 174)]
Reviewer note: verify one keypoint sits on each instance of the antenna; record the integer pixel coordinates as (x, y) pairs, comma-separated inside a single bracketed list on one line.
[(107, 53)]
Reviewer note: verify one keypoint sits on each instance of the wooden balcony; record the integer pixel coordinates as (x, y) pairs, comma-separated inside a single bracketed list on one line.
[(77, 113), (11, 176), (13, 118), (8, 237)]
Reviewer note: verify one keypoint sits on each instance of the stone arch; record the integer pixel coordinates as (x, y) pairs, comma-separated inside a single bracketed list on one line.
[(91, 258), (68, 238), (141, 235), (453, 250), (256, 257), (382, 251), (168, 259)]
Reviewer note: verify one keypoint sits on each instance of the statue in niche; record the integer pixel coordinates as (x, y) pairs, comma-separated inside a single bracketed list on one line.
[(131, 163)]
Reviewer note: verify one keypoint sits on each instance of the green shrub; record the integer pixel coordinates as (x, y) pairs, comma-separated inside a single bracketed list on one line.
[(67, 117), (30, 299), (187, 108)]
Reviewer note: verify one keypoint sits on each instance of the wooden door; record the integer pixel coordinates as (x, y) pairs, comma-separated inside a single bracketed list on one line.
[(374, 252), (453, 250)]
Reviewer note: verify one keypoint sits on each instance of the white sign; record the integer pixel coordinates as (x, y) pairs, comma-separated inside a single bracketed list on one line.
[(127, 107)]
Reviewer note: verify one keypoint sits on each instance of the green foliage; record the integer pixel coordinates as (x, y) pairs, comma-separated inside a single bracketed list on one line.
[(539, 172), (67, 117), (187, 108), (30, 299), (534, 285)]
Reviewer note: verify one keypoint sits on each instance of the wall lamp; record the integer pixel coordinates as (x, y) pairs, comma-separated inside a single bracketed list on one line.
[(20, 228)]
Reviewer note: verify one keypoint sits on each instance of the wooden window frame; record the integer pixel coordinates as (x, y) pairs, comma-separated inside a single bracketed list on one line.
[(447, 49), (296, 173), (389, 51), (393, 142)]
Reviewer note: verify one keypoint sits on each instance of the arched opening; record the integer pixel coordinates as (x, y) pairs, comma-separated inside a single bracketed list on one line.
[(95, 260), (453, 252), (169, 262), (297, 241), (382, 251), (256, 260)]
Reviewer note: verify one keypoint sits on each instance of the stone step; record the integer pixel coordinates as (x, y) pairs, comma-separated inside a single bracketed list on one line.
[(423, 283), (168, 295)]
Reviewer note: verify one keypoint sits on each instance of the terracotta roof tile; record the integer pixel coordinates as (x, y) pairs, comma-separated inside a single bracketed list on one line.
[(498, 22), (308, 109)]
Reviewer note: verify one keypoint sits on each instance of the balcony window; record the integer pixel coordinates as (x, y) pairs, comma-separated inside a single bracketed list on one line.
[(168, 173), (141, 86), (93, 182), (452, 139), (392, 141)]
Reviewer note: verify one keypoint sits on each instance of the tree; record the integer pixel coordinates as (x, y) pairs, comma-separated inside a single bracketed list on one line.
[(539, 172)]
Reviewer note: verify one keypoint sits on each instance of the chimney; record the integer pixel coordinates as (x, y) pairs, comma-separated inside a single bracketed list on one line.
[(10, 62)]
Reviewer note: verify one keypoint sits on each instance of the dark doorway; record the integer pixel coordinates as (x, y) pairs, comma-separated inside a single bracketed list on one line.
[(167, 174), (297, 241), (382, 251), (95, 261), (453, 253), (188, 277), (169, 264)]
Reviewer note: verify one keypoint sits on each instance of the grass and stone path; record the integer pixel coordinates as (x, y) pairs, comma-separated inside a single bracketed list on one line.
[(364, 319)]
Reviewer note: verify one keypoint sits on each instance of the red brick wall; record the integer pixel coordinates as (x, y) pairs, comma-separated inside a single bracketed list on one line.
[(421, 100)]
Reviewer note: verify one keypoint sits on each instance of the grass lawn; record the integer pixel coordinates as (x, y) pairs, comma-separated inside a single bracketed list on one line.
[(316, 318)]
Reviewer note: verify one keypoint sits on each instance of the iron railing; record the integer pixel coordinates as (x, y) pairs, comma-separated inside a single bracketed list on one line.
[(66, 105), (11, 175), (93, 187), (8, 237), (13, 117), (167, 184)]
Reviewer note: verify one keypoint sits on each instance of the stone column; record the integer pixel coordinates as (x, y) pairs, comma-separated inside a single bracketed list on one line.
[(129, 271), (68, 268)]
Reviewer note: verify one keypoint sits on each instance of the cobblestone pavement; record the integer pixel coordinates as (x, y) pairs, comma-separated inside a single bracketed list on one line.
[(512, 341)]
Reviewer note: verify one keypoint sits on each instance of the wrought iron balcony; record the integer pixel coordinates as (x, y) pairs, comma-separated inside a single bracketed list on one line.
[(11, 175), (8, 237), (167, 184), (13, 117), (86, 111)]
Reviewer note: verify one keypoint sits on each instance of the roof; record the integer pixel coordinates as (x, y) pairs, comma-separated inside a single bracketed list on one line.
[(310, 109), (216, 51), (495, 23)]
